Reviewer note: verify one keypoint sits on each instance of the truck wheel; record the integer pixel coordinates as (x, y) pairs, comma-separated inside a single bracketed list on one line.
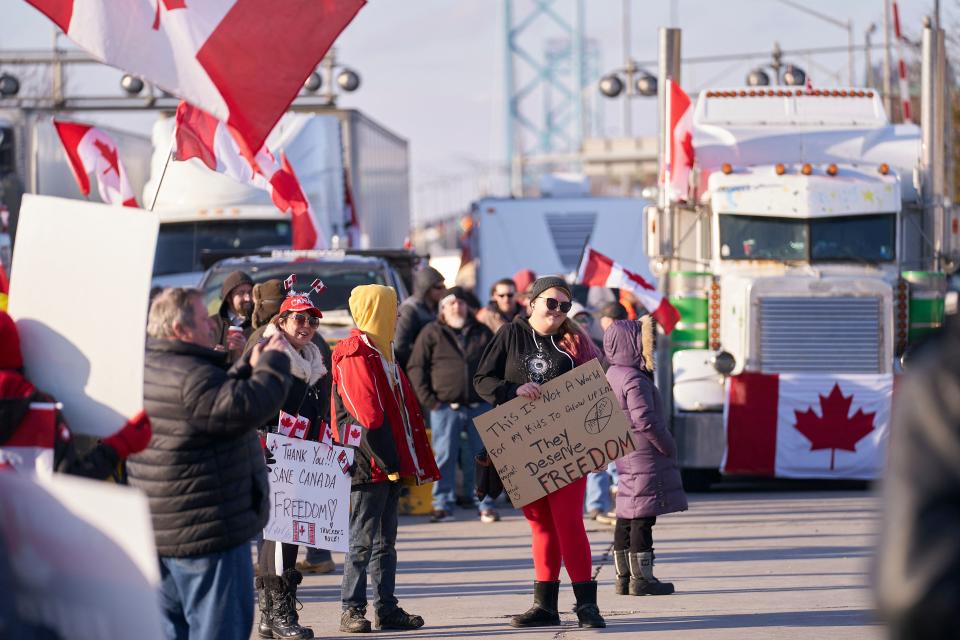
[(698, 480)]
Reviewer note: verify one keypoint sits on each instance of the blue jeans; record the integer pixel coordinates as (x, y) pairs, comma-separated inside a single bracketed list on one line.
[(446, 425), (598, 491), (373, 537), (208, 597)]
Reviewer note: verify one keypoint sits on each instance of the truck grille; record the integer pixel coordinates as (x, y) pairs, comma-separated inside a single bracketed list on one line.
[(840, 335)]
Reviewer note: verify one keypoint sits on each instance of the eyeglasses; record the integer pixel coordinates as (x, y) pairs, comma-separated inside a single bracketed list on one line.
[(553, 304), (503, 295), (302, 318)]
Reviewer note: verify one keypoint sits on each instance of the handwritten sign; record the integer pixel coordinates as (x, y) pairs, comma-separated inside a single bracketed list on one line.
[(540, 446), (309, 493)]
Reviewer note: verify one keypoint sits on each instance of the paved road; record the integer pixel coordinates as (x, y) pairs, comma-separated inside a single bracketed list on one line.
[(746, 565)]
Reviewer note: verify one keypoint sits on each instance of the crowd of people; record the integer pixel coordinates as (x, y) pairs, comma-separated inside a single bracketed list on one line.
[(413, 376)]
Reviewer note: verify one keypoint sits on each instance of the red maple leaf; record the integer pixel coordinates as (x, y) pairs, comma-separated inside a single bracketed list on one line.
[(286, 421), (354, 434), (834, 429), (110, 155)]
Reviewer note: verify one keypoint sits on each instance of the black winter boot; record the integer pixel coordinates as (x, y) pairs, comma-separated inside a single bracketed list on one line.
[(397, 620), (352, 621), (621, 563), (544, 612), (286, 622), (588, 613), (642, 580), (265, 600)]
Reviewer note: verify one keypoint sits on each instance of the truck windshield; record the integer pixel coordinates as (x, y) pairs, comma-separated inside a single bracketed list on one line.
[(181, 245), (863, 238)]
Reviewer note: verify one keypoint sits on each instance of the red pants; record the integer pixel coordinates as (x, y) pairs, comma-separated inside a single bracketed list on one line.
[(558, 533)]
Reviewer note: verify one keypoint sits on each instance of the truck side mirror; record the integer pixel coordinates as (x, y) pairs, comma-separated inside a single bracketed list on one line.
[(652, 215)]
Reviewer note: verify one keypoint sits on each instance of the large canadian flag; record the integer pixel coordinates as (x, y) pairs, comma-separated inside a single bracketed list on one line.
[(244, 61), (597, 270), (92, 150), (199, 135), (807, 425), (679, 160)]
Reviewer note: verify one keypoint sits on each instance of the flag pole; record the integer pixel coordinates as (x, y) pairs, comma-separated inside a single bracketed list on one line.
[(173, 142)]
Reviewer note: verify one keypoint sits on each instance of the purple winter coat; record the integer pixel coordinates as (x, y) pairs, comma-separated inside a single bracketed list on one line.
[(649, 481)]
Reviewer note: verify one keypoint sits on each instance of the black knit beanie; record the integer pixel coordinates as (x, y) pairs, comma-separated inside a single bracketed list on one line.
[(549, 282)]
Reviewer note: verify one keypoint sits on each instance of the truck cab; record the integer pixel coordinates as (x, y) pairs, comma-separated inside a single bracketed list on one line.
[(801, 251)]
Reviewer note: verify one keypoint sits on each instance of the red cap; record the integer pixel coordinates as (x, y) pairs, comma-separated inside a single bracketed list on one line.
[(299, 304)]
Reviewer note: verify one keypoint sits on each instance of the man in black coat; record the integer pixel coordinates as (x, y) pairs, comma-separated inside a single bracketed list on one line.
[(918, 564), (441, 369), (204, 472), (232, 320), (417, 311)]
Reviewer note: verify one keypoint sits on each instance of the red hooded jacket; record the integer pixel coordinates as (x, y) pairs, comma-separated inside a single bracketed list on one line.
[(362, 395)]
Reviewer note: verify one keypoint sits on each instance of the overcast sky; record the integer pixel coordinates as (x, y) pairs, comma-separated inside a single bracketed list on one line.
[(432, 70)]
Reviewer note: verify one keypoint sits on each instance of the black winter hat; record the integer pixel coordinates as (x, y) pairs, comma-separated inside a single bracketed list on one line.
[(233, 281), (549, 282)]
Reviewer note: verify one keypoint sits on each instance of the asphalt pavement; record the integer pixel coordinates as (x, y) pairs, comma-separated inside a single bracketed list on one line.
[(748, 562)]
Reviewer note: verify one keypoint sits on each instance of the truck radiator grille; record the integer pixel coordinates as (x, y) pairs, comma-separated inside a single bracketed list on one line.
[(840, 335), (570, 232)]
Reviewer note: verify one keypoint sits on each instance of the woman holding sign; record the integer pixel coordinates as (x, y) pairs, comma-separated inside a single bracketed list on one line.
[(523, 355), (302, 416)]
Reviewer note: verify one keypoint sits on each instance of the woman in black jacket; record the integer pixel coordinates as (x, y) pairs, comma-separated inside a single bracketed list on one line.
[(308, 398), (524, 355)]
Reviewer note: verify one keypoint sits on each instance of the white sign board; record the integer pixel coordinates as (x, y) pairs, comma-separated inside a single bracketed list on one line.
[(309, 493), (79, 290), (79, 557)]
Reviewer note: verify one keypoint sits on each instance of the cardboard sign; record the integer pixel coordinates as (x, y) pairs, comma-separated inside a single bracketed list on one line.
[(574, 428), (309, 493), (79, 290), (77, 557)]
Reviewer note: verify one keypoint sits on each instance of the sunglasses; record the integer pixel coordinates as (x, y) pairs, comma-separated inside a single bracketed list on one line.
[(553, 304), (302, 318)]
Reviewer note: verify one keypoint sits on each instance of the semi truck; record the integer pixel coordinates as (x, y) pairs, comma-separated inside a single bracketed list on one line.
[(804, 252)]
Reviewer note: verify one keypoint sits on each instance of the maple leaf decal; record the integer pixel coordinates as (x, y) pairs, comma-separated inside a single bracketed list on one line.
[(834, 429)]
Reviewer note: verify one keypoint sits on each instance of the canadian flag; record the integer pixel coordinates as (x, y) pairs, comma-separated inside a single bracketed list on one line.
[(326, 437), (301, 427), (244, 61), (286, 424), (597, 270), (92, 150), (30, 448), (807, 425), (352, 436), (199, 135), (679, 161)]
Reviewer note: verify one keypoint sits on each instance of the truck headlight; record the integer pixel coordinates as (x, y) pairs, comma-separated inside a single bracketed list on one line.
[(723, 362)]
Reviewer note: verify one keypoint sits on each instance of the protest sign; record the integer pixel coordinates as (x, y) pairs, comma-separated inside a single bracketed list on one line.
[(77, 558), (79, 290), (539, 446), (309, 493)]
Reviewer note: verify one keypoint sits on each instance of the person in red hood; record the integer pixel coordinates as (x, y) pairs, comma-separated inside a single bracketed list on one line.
[(375, 409), (33, 433)]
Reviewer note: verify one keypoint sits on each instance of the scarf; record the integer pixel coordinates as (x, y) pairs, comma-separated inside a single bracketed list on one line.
[(306, 365)]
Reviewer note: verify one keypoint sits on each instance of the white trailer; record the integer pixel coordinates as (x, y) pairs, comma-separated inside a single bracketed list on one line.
[(548, 235)]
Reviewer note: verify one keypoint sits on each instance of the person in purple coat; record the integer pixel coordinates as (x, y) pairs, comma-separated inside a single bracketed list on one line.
[(649, 478)]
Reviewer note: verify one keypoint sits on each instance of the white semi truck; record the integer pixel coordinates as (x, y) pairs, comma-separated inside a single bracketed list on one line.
[(804, 249)]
